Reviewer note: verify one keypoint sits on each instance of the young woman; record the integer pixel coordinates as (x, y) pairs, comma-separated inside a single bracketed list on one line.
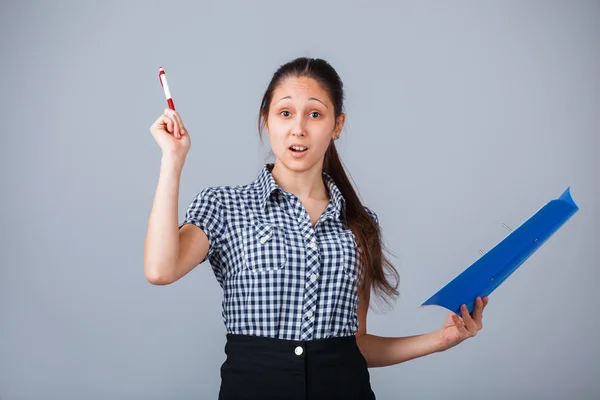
[(295, 251)]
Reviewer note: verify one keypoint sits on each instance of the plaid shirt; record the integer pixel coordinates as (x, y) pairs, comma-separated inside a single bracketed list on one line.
[(281, 277)]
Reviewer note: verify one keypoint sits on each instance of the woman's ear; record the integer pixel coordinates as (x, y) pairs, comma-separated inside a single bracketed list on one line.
[(339, 125)]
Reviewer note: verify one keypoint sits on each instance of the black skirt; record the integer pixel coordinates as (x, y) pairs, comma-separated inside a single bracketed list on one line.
[(264, 368)]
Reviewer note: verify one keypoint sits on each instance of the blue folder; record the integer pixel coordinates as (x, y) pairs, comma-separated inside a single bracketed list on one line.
[(489, 271)]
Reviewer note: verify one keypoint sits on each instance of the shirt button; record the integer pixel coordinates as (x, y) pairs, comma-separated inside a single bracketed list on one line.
[(309, 314), (299, 350), (313, 277), (312, 245)]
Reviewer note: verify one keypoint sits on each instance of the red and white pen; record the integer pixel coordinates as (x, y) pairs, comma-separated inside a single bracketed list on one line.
[(163, 82)]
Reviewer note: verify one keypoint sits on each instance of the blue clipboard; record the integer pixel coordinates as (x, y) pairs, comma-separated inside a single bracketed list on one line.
[(495, 266)]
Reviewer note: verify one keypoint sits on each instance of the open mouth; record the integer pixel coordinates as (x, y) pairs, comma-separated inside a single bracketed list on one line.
[(298, 149)]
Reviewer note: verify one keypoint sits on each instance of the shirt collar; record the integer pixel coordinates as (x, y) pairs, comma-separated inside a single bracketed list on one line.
[(266, 185)]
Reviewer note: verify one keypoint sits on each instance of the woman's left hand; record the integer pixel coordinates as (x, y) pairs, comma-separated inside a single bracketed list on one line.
[(457, 329)]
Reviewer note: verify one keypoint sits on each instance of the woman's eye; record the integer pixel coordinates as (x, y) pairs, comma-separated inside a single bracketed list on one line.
[(313, 114)]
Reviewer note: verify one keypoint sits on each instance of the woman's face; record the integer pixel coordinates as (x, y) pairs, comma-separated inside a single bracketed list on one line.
[(301, 114)]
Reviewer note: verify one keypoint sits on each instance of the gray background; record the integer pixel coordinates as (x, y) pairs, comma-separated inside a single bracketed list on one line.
[(461, 116)]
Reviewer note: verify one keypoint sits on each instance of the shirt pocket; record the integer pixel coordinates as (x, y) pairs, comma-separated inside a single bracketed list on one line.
[(265, 248), (350, 255)]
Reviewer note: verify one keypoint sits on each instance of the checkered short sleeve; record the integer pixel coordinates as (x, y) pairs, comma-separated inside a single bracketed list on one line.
[(206, 211)]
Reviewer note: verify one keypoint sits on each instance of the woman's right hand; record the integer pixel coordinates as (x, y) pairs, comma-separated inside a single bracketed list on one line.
[(170, 134)]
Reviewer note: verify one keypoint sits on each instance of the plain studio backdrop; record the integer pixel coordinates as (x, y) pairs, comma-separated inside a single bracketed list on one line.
[(462, 117)]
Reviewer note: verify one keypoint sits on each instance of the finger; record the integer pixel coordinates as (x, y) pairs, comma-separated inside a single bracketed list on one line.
[(469, 323), (180, 128), (478, 311), (177, 116), (176, 128), (168, 122), (460, 325), (163, 122), (457, 321)]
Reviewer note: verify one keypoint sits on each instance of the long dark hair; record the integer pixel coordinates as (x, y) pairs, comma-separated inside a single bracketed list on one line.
[(367, 232)]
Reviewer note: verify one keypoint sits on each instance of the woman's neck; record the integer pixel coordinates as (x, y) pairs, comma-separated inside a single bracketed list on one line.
[(306, 185)]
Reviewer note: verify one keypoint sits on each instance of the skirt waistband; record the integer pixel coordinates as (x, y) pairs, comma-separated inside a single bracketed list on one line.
[(240, 347), (276, 344)]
